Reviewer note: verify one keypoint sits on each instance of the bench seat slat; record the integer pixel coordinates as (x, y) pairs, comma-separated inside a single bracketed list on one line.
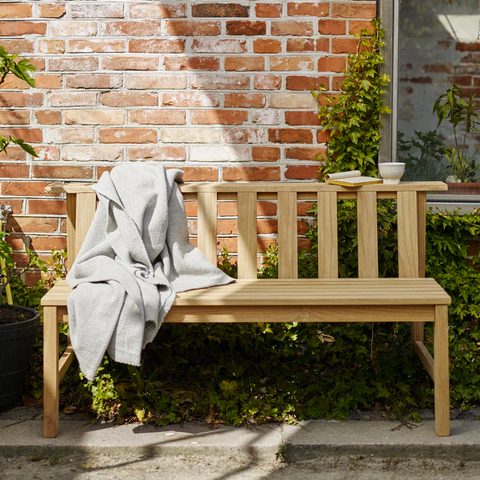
[(276, 292)]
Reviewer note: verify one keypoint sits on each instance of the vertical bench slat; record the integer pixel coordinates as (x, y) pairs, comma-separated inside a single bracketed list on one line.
[(71, 224), (407, 231), (86, 204), (287, 235), (418, 328), (367, 235), (327, 235), (247, 235), (207, 225)]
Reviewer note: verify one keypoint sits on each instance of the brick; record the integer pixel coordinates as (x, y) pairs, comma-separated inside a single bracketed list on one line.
[(48, 153), (51, 46), (72, 99), (132, 28), (297, 28), (13, 83), (337, 82), (14, 171), (255, 174), (51, 10), (439, 68), (18, 29), (356, 26), (156, 45), (157, 153), (102, 170), (303, 82), (97, 81), (219, 117), (33, 225), (127, 135), (64, 28), (331, 64), (128, 99), (88, 153), (262, 45), (290, 135), (29, 135), (308, 9), (47, 207), (245, 27), (78, 10), (267, 117), (8, 117), (157, 117), (130, 63), (244, 100), (322, 45), (57, 171), (302, 172), (300, 45), (302, 118), (344, 45), (94, 117), (13, 153), (17, 99), (353, 10), (71, 64), (156, 82), (25, 189), (244, 64), (50, 82), (218, 45), (219, 153), (332, 27), (192, 63), (48, 117), (189, 28), (48, 243), (467, 47), (323, 137), (303, 153), (268, 10), (97, 46), (189, 135), (15, 10), (265, 154), (291, 63), (18, 46), (68, 135), (220, 10), (190, 99), (145, 10), (200, 174), (221, 82), (243, 135), (38, 63), (267, 82)]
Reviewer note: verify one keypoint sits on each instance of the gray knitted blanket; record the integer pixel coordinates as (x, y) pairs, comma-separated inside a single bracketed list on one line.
[(135, 257)]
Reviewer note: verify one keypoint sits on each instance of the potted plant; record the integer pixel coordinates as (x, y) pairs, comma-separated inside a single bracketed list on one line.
[(464, 118), (18, 324)]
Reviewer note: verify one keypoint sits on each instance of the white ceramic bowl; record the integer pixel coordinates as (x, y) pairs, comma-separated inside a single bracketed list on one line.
[(391, 172)]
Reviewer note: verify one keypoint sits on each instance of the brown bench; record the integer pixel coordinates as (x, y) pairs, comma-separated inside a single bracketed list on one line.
[(409, 298)]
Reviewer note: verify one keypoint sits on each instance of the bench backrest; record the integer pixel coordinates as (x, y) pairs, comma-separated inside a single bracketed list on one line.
[(411, 211)]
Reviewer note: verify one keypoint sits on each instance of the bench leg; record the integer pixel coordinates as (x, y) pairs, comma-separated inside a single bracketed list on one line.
[(51, 380), (441, 361), (418, 334)]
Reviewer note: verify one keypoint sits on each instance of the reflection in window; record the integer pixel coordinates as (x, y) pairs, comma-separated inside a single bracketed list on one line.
[(439, 47)]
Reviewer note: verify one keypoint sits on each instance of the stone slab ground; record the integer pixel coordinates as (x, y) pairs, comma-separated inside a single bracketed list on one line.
[(375, 449)]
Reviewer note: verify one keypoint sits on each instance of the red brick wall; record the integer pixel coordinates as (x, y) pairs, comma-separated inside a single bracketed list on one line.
[(220, 89)]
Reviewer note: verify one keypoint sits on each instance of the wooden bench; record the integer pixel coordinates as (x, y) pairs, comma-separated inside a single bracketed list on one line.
[(409, 298)]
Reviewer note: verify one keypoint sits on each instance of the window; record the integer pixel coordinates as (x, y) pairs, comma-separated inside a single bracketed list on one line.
[(435, 44)]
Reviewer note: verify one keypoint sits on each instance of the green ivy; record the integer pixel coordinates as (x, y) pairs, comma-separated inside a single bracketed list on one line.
[(352, 117)]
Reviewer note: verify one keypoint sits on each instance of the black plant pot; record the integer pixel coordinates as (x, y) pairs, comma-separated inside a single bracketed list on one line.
[(16, 344)]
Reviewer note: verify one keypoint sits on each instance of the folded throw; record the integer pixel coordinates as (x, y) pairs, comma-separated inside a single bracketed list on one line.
[(135, 257)]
